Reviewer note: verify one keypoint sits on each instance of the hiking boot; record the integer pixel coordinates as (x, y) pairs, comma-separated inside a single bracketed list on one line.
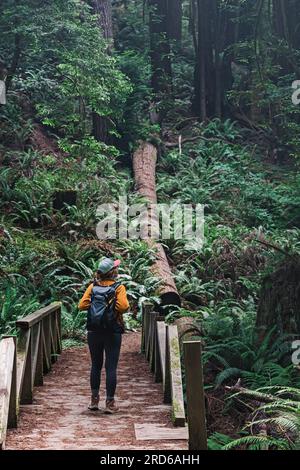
[(111, 407), (94, 405)]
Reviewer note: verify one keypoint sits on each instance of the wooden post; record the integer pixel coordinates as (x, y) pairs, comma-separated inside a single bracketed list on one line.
[(7, 380), (12, 421), (58, 326), (195, 395), (148, 307), (47, 343), (146, 329), (54, 335), (149, 339), (176, 377), (161, 338), (167, 383), (38, 377), (22, 351), (143, 330), (27, 386), (34, 338), (157, 359), (154, 317), (52, 339), (157, 363)]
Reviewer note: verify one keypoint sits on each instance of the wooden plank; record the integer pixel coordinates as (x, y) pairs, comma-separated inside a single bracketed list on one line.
[(161, 349), (157, 356), (38, 376), (55, 335), (7, 363), (34, 338), (26, 389), (167, 382), (58, 328), (35, 317), (148, 432), (149, 338), (52, 341), (143, 331), (195, 395), (178, 414), (157, 360), (12, 420), (147, 326), (146, 307), (46, 350), (22, 350), (154, 317)]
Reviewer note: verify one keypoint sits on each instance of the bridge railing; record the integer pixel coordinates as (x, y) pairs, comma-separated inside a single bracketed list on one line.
[(161, 346), (24, 359)]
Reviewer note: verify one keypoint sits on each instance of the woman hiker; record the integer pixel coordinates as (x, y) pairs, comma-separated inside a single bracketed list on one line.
[(106, 302)]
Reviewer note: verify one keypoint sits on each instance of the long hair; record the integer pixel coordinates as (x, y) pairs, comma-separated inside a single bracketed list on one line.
[(111, 275)]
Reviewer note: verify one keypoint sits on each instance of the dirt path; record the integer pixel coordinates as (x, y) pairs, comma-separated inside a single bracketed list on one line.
[(59, 419)]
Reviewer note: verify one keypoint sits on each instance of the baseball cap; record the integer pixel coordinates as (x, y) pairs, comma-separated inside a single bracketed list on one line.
[(107, 264)]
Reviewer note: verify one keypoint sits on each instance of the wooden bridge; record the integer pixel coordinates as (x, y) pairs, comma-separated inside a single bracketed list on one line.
[(55, 416)]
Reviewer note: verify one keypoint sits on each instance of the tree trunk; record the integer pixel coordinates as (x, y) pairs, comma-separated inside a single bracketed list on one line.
[(209, 48), (200, 67), (160, 51), (188, 329), (100, 127), (279, 304), (174, 20), (144, 167), (15, 61), (103, 8), (218, 61), (293, 21)]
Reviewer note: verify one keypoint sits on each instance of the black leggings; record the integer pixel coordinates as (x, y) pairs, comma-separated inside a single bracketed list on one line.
[(111, 344)]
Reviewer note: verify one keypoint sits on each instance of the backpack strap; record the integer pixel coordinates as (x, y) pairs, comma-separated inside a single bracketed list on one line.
[(116, 285)]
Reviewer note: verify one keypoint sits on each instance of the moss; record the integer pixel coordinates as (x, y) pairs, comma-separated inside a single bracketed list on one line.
[(36, 242)]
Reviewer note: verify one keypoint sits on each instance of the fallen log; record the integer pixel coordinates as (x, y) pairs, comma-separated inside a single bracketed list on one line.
[(144, 167)]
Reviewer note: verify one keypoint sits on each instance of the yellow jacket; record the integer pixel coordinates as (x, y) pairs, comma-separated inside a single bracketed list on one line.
[(122, 304)]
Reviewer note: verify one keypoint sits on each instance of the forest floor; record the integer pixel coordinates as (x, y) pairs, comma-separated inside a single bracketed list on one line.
[(59, 418)]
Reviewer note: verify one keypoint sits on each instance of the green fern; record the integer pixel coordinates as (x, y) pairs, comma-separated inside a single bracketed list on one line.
[(259, 443)]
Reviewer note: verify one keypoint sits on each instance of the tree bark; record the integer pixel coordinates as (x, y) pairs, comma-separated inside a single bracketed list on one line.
[(160, 51), (218, 62), (15, 61), (174, 20), (279, 304), (103, 8), (200, 85), (144, 167)]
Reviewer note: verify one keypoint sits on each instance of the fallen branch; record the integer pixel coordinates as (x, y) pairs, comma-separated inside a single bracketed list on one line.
[(257, 397), (274, 247), (194, 139)]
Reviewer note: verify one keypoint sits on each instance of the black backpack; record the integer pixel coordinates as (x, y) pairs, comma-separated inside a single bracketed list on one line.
[(101, 314)]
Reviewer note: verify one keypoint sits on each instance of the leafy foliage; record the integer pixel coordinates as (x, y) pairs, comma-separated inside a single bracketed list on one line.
[(280, 415), (243, 168)]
